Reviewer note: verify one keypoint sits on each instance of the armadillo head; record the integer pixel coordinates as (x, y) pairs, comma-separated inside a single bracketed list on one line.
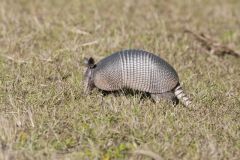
[(88, 75)]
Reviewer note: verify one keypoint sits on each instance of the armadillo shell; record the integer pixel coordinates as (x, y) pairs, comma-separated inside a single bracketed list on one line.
[(135, 69)]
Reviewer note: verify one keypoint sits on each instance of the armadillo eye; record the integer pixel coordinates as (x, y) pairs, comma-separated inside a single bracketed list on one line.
[(93, 66)]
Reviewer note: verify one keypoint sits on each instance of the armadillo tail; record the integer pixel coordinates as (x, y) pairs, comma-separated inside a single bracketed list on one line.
[(182, 96)]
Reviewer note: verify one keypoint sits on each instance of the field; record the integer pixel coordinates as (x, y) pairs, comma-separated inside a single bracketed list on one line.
[(45, 115)]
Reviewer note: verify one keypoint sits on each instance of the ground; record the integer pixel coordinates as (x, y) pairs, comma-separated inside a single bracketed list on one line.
[(45, 115)]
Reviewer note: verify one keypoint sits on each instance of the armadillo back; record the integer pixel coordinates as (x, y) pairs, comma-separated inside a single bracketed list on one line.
[(135, 69)]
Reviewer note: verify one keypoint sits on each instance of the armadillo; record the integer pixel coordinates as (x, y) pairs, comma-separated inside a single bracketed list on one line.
[(138, 70)]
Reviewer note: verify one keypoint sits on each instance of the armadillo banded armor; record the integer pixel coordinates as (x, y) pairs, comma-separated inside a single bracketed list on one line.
[(135, 69)]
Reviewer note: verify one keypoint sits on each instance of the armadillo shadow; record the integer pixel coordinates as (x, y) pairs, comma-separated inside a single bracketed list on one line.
[(130, 93)]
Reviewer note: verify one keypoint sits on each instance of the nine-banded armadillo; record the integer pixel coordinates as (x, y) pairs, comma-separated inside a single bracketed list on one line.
[(137, 70)]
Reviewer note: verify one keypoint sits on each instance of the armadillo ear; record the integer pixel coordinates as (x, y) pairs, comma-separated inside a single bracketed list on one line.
[(89, 62)]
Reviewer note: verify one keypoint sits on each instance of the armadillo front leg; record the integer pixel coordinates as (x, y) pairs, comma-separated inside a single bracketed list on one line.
[(166, 96)]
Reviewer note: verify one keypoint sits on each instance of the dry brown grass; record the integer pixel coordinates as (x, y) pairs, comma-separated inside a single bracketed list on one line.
[(44, 114)]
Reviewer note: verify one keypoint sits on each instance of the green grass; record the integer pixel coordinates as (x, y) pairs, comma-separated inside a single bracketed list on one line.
[(45, 115)]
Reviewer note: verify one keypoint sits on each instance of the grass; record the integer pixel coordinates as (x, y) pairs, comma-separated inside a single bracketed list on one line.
[(44, 114)]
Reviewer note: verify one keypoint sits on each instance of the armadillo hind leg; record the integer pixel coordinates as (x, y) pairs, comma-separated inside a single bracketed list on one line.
[(166, 96)]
